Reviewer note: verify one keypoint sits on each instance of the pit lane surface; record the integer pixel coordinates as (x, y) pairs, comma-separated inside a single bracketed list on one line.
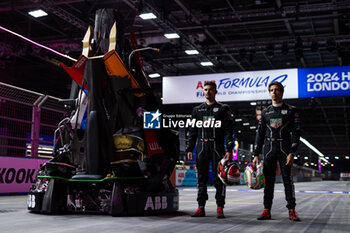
[(324, 207)]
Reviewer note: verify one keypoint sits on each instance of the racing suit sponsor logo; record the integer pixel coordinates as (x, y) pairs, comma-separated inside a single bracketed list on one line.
[(275, 123), (208, 118)]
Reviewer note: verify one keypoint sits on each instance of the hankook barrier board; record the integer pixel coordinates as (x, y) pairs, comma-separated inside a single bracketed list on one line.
[(18, 174), (252, 85)]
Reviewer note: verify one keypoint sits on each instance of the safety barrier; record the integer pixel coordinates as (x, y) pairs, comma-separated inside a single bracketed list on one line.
[(27, 122)]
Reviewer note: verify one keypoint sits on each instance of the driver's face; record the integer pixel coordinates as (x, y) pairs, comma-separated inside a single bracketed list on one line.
[(275, 93), (209, 92)]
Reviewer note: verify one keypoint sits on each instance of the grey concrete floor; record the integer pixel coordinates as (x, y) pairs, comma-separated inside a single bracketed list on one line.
[(319, 211)]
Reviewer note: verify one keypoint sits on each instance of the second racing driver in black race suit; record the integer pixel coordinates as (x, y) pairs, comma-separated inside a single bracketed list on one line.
[(279, 133)]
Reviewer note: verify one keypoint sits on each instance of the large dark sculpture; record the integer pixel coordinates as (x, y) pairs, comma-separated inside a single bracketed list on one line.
[(102, 159)]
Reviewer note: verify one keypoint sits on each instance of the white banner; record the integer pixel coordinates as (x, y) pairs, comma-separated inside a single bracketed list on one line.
[(240, 86)]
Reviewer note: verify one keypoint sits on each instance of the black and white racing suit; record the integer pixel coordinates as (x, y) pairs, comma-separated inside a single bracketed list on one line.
[(279, 133), (211, 147)]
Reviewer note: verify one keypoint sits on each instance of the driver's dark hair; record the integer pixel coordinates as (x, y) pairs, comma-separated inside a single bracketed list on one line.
[(213, 84), (280, 86)]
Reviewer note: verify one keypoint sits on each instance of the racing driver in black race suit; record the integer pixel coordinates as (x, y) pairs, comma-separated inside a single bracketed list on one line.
[(210, 147), (279, 133)]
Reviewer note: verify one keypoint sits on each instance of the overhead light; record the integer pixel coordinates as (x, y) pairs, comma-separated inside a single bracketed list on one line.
[(312, 163), (332, 165), (172, 35), (238, 120), (239, 131), (253, 103), (327, 157), (191, 52), (252, 127), (306, 157), (347, 157), (295, 157), (336, 157), (37, 13), (146, 16), (207, 63), (245, 123), (154, 75)]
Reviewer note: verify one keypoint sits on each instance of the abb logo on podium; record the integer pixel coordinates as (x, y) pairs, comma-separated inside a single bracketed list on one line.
[(159, 202)]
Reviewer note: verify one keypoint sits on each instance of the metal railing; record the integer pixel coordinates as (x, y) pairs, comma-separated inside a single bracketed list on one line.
[(27, 122)]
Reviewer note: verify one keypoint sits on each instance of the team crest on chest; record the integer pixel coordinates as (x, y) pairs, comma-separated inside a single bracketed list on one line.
[(215, 109), (284, 111)]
